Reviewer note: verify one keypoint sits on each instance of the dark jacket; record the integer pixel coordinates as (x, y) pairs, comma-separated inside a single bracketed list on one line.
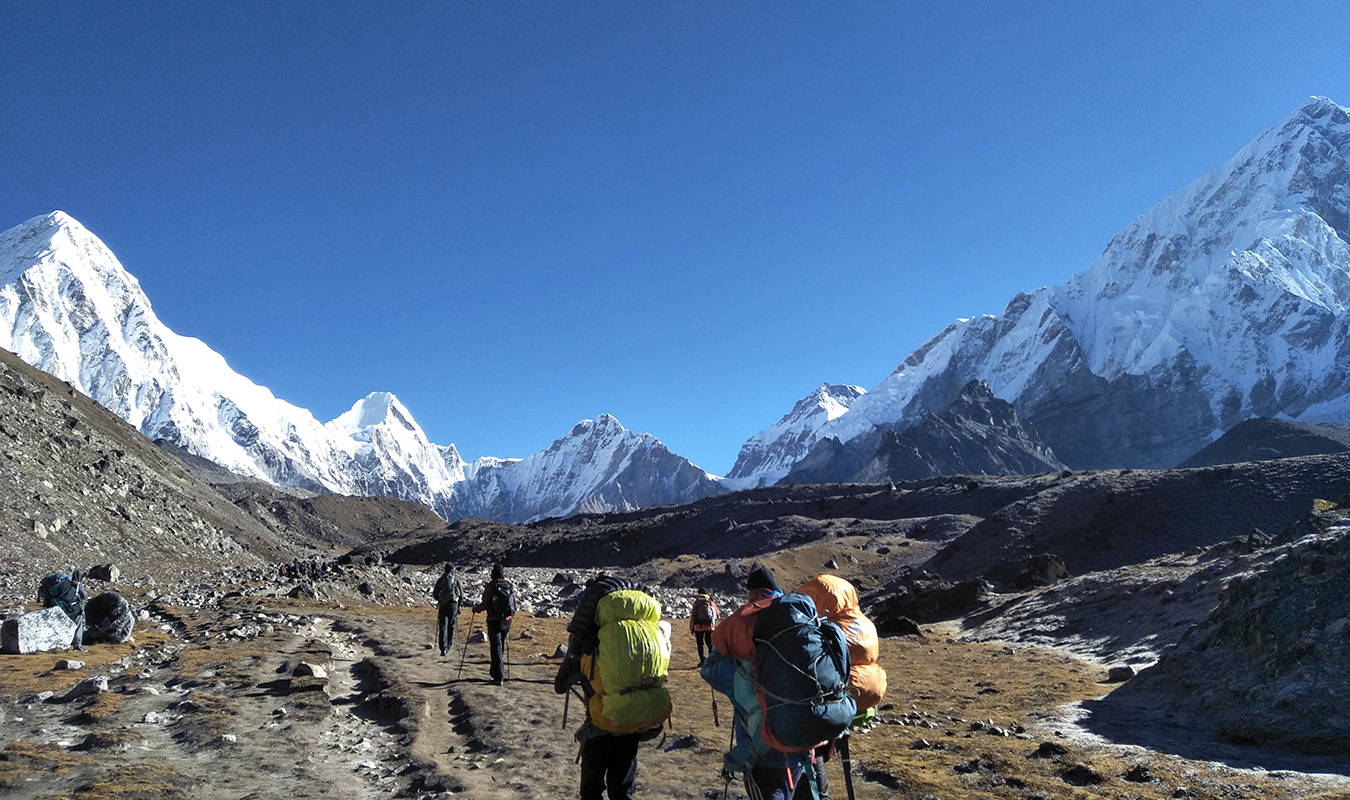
[(483, 605)]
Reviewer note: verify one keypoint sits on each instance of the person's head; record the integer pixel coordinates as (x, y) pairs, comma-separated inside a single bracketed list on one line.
[(703, 592), (449, 568), (761, 577), (498, 572)]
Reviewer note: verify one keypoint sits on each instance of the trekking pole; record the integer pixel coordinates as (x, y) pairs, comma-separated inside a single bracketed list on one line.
[(713, 692), (465, 651), (506, 657), (847, 763), (567, 701)]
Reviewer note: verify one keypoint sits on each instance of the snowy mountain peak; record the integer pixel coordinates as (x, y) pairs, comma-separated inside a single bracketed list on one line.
[(599, 466), (1228, 299), (376, 408), (770, 454), (67, 306)]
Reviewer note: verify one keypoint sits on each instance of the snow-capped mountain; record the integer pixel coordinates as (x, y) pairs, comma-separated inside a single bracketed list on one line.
[(976, 434), (770, 454), (600, 466), (1225, 301), (68, 307)]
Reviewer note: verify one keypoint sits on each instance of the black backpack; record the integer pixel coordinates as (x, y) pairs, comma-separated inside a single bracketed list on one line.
[(501, 602), (58, 589), (705, 611)]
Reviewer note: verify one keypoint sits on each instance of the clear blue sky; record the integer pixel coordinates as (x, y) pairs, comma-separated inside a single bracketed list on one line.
[(518, 215)]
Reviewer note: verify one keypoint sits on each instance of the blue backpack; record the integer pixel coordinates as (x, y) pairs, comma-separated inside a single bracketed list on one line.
[(801, 676)]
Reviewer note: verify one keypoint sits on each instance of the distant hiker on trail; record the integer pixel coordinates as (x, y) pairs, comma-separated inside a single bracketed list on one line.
[(786, 672), (499, 601), (67, 591), (448, 595), (837, 601), (703, 618), (619, 653)]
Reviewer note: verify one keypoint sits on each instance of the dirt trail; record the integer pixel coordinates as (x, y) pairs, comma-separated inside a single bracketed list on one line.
[(207, 704)]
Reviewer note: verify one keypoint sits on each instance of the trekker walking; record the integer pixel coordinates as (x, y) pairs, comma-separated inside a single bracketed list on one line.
[(67, 591), (448, 594), (703, 618), (618, 651), (499, 601), (837, 601), (776, 647)]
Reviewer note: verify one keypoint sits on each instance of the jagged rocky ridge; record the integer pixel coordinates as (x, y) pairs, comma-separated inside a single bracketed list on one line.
[(1261, 439), (977, 434)]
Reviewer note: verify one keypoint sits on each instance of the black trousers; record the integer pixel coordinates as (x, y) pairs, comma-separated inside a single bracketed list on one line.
[(445, 626), (704, 639), (496, 633), (609, 762)]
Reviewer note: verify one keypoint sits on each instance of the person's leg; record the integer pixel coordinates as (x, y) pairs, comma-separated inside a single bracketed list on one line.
[(593, 768), (772, 783), (621, 769), (454, 623), (442, 631), (814, 784), (496, 641)]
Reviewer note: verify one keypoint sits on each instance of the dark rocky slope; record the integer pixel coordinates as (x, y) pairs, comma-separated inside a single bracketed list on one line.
[(1265, 439)]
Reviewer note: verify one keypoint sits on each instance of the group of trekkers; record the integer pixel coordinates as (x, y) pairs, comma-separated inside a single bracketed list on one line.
[(499, 603), (800, 670), (302, 569)]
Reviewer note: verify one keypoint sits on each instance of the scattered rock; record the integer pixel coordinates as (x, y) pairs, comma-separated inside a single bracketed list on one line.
[(307, 670), (1082, 775), (87, 687), (69, 664), (108, 573), (686, 742), (1041, 570), (883, 777), (927, 601), (36, 631), (1120, 674), (1138, 774), (109, 618)]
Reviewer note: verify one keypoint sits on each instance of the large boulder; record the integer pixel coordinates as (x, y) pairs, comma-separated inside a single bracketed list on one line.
[(108, 619), (108, 573), (36, 631), (925, 601)]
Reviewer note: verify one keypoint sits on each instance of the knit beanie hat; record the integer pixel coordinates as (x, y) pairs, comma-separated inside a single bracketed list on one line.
[(761, 578), (498, 572)]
